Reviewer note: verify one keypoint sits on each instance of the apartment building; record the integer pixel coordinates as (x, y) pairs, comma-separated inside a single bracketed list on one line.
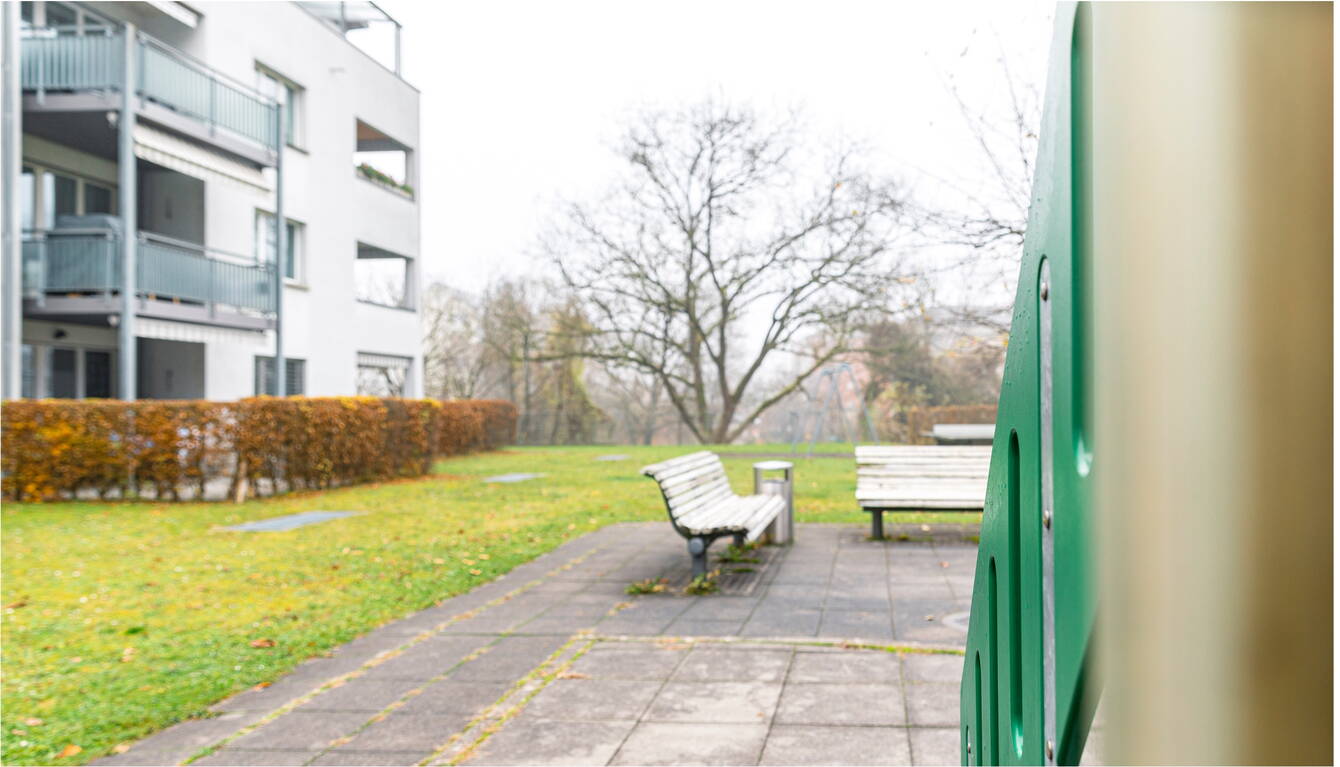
[(160, 143)]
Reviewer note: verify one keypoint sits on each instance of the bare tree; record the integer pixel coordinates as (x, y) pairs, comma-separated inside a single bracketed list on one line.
[(985, 217), (726, 244), (456, 362)]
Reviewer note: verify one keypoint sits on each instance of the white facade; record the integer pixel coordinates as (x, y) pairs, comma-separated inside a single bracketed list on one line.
[(349, 312)]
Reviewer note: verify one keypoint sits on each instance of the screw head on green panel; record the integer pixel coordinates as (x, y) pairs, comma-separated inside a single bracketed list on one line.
[(1044, 291)]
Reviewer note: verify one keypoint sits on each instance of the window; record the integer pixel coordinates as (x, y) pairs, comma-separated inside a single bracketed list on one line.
[(295, 378), (289, 94), (383, 278), (47, 194), (265, 245), (97, 199), (67, 372), (382, 375)]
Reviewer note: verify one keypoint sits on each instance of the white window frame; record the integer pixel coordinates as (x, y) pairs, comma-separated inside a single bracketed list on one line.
[(41, 171), (299, 240), (293, 96)]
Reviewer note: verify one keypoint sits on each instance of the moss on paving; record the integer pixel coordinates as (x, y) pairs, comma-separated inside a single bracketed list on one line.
[(120, 619)]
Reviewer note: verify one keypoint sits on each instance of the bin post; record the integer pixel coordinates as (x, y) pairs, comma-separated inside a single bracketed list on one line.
[(781, 531)]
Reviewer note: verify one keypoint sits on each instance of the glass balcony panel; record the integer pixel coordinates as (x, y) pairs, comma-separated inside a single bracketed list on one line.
[(82, 263)]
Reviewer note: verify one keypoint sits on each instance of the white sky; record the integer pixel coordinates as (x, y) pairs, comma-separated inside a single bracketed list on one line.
[(521, 100)]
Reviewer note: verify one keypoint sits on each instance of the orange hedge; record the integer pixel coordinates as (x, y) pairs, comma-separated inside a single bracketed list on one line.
[(921, 419), (60, 448)]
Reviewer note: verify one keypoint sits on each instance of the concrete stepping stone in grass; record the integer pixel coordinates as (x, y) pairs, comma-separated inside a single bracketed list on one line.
[(514, 477), (615, 457), (290, 521)]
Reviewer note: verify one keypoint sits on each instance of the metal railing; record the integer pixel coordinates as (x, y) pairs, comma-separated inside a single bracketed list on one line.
[(65, 59), (84, 261)]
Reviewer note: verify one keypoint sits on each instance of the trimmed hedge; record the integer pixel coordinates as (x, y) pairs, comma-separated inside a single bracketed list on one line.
[(921, 419), (55, 449)]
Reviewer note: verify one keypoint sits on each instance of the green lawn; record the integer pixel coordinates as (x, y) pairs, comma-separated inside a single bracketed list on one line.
[(122, 618)]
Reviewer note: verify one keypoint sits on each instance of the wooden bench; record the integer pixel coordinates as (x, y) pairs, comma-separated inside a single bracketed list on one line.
[(702, 506), (917, 477)]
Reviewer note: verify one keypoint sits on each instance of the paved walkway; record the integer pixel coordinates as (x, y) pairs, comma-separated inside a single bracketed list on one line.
[(554, 663)]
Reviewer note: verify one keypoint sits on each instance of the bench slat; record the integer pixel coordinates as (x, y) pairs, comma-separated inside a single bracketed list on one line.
[(922, 476)]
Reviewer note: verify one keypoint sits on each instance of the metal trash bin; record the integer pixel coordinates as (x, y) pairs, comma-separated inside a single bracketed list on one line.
[(782, 529)]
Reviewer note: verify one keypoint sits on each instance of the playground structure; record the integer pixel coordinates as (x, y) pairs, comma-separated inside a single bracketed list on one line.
[(1161, 466), (828, 401)]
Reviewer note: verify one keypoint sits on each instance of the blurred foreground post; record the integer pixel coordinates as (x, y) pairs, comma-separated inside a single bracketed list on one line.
[(1212, 287)]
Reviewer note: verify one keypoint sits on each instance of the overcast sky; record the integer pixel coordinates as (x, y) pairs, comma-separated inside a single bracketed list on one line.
[(521, 101)]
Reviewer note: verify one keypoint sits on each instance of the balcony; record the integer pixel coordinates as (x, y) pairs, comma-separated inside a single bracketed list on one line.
[(69, 272), (173, 88)]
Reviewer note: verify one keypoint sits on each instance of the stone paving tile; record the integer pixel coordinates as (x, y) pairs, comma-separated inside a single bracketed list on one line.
[(935, 745), (704, 628), (401, 731), (802, 744), (427, 658), (633, 661), (185, 739), (708, 744), (343, 757), (452, 697), (248, 757), (932, 704), (919, 667), (856, 624), (592, 699), (509, 659), (715, 702), (707, 663), (302, 731), (780, 623), (721, 608), (842, 704), (554, 743), (845, 667), (362, 694)]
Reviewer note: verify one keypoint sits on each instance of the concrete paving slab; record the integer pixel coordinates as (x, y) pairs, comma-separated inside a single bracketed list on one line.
[(849, 667), (704, 628), (452, 697), (638, 662), (592, 699), (919, 667), (247, 757), (935, 745), (554, 743), (708, 663), (930, 704), (362, 694), (509, 659), (401, 731), (708, 744), (302, 731), (343, 757), (289, 521), (803, 745), (842, 704), (715, 702)]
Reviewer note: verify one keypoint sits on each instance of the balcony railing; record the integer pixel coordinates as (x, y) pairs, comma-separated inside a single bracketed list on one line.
[(57, 60), (88, 261)]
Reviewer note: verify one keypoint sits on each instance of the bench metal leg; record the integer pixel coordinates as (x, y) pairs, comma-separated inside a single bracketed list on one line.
[(877, 524), (698, 551)]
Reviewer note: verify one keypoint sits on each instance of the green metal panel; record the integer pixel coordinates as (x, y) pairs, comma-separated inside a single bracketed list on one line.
[(1028, 690)]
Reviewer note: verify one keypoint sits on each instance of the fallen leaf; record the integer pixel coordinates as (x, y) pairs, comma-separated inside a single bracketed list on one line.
[(33, 721), (476, 572), (68, 751), (20, 602), (484, 557), (468, 561), (925, 528), (930, 617), (573, 675), (47, 704), (439, 561), (262, 685), (262, 643), (944, 564), (128, 655), (120, 748)]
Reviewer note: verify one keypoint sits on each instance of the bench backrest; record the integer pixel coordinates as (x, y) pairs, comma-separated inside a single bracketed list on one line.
[(932, 476), (690, 483)]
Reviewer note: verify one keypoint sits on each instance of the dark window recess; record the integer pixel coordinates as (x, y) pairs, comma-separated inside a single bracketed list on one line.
[(295, 378), (97, 199), (64, 384), (97, 374)]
